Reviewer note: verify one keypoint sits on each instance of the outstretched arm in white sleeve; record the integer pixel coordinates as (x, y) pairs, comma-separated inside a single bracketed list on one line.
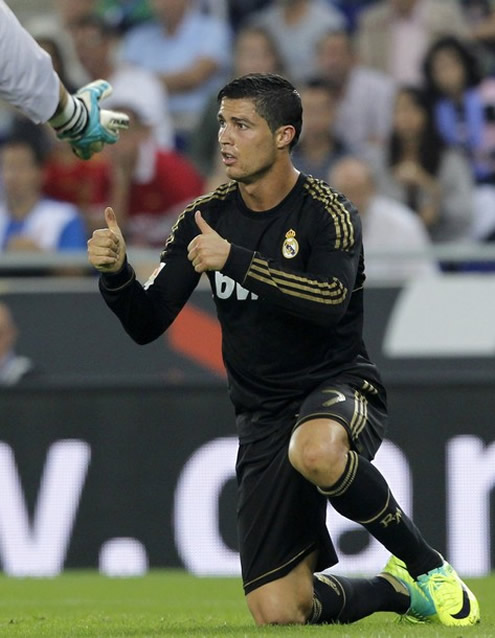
[(29, 82)]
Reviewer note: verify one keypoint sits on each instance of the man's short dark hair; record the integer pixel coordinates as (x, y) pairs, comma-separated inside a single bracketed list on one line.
[(467, 56), (274, 97), (24, 133)]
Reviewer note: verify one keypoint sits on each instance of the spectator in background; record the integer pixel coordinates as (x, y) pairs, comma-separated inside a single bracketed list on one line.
[(351, 9), (417, 169), (149, 185), (14, 368), (56, 39), (255, 51), (53, 45), (388, 226), (394, 35), (480, 18), (95, 45), (318, 147), (189, 50), (70, 11), (365, 95), (240, 10), (123, 15), (87, 183), (84, 183), (28, 220), (218, 8), (464, 109), (296, 26)]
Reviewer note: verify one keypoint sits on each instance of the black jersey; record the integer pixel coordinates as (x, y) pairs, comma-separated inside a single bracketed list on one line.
[(289, 298)]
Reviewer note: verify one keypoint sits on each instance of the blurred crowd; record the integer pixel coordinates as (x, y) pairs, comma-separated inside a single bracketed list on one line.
[(399, 114)]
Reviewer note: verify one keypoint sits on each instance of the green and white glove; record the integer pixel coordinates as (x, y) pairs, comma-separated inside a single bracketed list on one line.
[(85, 125)]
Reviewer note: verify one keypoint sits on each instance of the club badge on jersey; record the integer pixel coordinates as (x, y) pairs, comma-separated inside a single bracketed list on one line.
[(290, 247)]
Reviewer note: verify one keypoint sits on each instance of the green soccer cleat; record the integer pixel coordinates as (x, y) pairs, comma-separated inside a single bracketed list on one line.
[(455, 604), (421, 608)]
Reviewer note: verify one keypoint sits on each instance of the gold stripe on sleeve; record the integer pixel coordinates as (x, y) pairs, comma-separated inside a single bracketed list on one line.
[(341, 217), (325, 292)]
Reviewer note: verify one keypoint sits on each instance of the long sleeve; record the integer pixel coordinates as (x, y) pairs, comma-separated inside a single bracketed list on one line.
[(146, 311), (27, 78), (322, 292)]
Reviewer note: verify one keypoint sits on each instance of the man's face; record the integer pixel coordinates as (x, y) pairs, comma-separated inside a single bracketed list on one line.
[(126, 151), (319, 111), (21, 174), (334, 57), (247, 144), (92, 48), (448, 71), (254, 54)]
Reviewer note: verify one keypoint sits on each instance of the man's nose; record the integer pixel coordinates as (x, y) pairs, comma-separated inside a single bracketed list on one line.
[(224, 135)]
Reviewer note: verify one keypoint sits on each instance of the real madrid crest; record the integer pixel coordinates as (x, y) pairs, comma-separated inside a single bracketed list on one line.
[(290, 247)]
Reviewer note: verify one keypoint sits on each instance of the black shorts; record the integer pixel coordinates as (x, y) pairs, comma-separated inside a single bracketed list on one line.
[(281, 515), (359, 405)]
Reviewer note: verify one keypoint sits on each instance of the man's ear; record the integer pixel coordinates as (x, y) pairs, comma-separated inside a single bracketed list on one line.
[(284, 136)]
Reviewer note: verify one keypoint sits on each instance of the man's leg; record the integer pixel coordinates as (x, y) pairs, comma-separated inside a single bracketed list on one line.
[(300, 597), (320, 450), (284, 601)]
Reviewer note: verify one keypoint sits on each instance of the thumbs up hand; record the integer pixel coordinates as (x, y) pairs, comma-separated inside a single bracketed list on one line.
[(106, 248), (207, 251)]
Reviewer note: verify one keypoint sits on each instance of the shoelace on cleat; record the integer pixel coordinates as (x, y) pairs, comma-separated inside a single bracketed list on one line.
[(450, 592)]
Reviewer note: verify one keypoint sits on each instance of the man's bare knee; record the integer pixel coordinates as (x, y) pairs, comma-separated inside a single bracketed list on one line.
[(318, 451)]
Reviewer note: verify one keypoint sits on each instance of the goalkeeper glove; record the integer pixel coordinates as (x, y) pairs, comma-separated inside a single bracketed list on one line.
[(85, 125)]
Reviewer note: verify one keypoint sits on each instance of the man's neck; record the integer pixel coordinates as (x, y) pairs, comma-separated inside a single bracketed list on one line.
[(270, 190)]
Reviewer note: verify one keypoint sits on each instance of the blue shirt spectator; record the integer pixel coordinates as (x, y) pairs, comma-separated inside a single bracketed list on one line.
[(50, 224), (29, 221), (188, 49), (296, 27)]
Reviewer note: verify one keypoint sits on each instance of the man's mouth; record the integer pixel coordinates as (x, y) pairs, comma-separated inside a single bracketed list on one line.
[(228, 159)]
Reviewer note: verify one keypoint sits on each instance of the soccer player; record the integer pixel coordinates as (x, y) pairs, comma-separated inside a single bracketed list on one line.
[(29, 82), (283, 254)]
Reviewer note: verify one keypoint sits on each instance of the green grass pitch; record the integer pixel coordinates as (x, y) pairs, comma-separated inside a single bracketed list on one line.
[(173, 603)]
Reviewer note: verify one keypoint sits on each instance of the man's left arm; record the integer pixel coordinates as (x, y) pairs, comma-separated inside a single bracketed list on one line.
[(321, 294)]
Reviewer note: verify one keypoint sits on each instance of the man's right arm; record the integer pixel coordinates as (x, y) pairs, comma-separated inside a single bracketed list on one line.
[(145, 311)]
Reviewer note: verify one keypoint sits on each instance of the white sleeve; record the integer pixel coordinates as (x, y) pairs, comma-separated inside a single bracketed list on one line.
[(27, 78)]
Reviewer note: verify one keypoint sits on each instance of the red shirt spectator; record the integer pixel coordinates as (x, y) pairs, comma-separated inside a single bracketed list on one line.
[(147, 184)]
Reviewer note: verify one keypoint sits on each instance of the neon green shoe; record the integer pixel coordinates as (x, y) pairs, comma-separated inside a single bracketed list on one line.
[(455, 604), (421, 608)]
